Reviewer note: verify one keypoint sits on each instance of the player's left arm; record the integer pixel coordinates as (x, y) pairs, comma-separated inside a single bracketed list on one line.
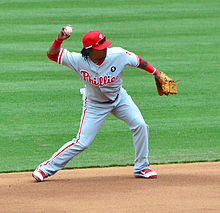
[(165, 85), (145, 65), (137, 61)]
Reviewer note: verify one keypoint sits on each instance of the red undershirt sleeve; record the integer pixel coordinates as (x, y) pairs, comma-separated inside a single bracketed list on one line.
[(53, 57)]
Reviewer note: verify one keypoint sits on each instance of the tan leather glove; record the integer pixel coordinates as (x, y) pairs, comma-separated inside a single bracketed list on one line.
[(165, 84)]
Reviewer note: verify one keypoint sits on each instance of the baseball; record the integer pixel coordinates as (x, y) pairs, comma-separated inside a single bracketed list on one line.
[(68, 30)]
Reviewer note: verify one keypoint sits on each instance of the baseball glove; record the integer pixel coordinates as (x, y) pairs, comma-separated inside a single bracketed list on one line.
[(165, 85)]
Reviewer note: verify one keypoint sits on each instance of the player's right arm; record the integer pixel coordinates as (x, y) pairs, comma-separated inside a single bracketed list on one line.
[(61, 55), (55, 47)]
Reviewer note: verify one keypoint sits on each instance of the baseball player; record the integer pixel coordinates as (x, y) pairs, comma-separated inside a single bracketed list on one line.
[(101, 69)]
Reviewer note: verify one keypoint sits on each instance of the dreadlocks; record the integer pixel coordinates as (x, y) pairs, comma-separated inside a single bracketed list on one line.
[(85, 53)]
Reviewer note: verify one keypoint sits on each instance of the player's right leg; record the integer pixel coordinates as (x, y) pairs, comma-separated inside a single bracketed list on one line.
[(91, 121)]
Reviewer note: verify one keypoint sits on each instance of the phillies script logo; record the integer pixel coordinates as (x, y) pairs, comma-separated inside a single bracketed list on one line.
[(98, 81)]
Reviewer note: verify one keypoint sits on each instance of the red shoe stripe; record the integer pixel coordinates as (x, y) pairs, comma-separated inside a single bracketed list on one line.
[(152, 176), (147, 170), (42, 173)]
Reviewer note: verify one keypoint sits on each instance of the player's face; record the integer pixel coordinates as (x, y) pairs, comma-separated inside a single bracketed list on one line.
[(98, 54)]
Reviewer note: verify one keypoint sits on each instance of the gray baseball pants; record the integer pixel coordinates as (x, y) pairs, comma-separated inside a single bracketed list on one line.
[(92, 119)]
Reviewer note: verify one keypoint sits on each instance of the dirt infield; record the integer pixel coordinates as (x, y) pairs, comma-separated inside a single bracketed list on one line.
[(193, 187)]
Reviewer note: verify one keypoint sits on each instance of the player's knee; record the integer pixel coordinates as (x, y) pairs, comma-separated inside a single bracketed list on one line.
[(83, 144), (139, 124), (142, 125)]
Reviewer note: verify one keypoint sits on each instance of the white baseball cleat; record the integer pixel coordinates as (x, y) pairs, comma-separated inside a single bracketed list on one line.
[(39, 175), (146, 173)]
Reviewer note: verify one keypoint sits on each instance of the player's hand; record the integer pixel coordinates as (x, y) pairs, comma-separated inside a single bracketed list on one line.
[(62, 35)]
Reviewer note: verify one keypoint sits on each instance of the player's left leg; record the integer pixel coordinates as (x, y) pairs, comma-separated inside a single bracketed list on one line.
[(127, 111)]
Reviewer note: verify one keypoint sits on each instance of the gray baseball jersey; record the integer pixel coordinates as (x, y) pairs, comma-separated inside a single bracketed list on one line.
[(103, 95), (102, 82)]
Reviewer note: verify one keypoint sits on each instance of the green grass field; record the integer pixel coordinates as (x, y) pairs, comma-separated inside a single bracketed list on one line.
[(40, 103)]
